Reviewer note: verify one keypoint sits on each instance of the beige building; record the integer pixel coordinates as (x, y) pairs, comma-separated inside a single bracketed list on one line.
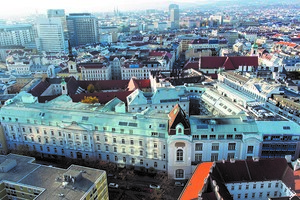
[(23, 179)]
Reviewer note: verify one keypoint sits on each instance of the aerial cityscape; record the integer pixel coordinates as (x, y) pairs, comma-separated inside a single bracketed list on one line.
[(128, 100)]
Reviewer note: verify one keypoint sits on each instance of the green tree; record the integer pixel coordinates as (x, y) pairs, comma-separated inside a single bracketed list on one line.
[(90, 99), (91, 88)]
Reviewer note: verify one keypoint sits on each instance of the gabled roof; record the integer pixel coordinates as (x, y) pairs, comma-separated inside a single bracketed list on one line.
[(103, 97), (177, 116), (39, 88), (196, 183), (230, 63)]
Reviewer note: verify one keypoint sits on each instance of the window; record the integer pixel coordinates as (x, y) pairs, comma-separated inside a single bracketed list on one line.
[(54, 142), (212, 137), (240, 187), (253, 195), (123, 141), (69, 135), (275, 193), (220, 137), (59, 133), (230, 156), (132, 160), (254, 186), (61, 142), (116, 158), (276, 185), (247, 187), (198, 157), (113, 130), (179, 154), (106, 148), (97, 138), (115, 149), (52, 132), (231, 146), (232, 187), (132, 151), (214, 157), (198, 146), (179, 173), (46, 140), (131, 142), (154, 133), (141, 153), (246, 195), (155, 164), (269, 185), (45, 132), (55, 150), (105, 139), (260, 194), (155, 145), (48, 149), (141, 162), (250, 149), (85, 137), (123, 150), (25, 138), (141, 143), (114, 140), (155, 154), (203, 137), (215, 147), (262, 185), (229, 136), (107, 157), (124, 159), (239, 196)]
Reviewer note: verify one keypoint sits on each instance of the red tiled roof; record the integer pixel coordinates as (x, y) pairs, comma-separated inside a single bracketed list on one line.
[(157, 53), (290, 44), (191, 65), (230, 63), (196, 183), (103, 97), (91, 65), (106, 84)]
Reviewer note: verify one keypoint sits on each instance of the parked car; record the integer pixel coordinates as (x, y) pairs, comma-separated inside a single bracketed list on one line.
[(154, 186), (179, 184), (113, 185)]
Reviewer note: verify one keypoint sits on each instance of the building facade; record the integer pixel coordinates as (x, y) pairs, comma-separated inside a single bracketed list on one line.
[(82, 28)]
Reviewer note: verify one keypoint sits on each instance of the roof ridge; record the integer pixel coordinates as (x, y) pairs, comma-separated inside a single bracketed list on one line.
[(248, 169)]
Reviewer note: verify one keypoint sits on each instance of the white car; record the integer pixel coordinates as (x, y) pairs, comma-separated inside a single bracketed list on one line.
[(113, 185), (154, 186)]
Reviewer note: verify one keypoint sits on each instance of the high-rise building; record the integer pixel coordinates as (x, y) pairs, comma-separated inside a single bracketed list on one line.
[(59, 13), (18, 34), (82, 28), (174, 15), (51, 35)]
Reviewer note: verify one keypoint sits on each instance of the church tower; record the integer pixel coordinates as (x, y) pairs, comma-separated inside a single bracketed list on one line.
[(71, 62), (63, 85)]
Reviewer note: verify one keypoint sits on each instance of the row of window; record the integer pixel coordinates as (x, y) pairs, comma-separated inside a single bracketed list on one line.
[(260, 194), (214, 137), (254, 186), (215, 147)]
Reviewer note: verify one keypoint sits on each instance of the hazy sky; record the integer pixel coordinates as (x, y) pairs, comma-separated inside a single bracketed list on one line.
[(22, 7)]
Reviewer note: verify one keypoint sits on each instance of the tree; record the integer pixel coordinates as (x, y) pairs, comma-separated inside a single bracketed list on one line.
[(90, 88), (90, 99)]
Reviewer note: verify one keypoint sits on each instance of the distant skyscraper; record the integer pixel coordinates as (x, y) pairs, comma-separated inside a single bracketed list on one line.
[(174, 15), (59, 13), (82, 28), (51, 35)]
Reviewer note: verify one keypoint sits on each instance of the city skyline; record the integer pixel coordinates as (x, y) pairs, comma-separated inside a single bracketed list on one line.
[(21, 8)]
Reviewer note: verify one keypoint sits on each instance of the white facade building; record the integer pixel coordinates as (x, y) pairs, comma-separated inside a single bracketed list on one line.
[(51, 35)]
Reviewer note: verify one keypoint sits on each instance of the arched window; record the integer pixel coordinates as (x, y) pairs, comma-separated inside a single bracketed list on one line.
[(179, 173), (179, 155), (179, 130), (141, 162)]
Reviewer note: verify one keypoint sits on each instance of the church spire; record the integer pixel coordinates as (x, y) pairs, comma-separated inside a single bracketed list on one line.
[(71, 56)]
